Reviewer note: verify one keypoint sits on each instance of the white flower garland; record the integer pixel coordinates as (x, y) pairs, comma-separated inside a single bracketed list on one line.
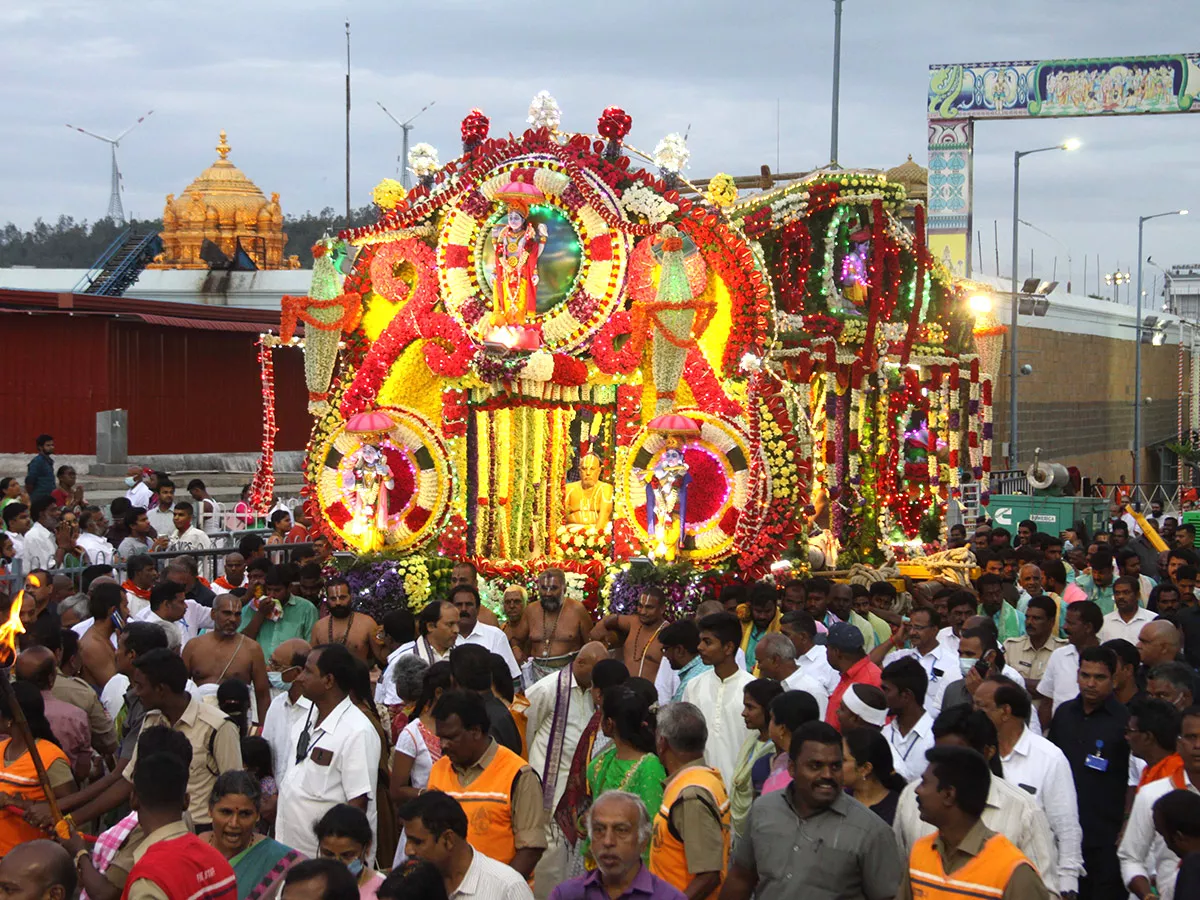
[(671, 153), (641, 201), (423, 160), (544, 111)]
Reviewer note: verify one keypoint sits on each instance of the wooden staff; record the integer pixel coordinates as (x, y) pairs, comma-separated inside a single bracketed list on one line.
[(22, 724)]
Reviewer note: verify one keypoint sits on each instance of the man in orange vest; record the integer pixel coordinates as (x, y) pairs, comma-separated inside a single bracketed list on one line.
[(963, 858), (690, 847), (500, 794)]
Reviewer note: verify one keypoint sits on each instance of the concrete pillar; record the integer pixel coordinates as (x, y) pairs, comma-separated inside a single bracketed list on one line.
[(112, 442)]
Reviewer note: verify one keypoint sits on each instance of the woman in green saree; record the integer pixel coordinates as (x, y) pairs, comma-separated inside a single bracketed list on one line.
[(259, 862), (629, 764)]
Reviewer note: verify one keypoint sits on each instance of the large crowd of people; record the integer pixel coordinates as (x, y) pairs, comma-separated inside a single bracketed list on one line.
[(260, 734)]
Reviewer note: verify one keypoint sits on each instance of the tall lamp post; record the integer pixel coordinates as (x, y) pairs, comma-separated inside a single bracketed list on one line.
[(1013, 367), (1137, 359), (837, 80)]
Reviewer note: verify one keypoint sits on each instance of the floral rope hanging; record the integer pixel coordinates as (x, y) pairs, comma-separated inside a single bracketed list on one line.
[(262, 486)]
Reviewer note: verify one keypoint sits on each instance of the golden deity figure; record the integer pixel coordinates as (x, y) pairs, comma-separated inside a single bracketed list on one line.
[(589, 501)]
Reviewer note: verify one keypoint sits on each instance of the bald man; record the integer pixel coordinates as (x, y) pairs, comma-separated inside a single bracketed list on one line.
[(37, 870), (560, 706), (225, 653), (290, 707), (39, 667), (1158, 642), (234, 576)]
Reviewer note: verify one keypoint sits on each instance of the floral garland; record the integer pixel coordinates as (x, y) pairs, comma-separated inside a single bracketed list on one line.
[(986, 461), (262, 485)]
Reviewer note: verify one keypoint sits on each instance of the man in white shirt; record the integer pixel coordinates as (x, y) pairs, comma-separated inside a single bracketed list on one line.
[(141, 483), (910, 732), (1060, 681), (1128, 616), (938, 661), (208, 510), (39, 550), (960, 606), (439, 622), (160, 512), (471, 631), (776, 656), (719, 693), (1010, 811), (560, 707), (92, 528), (185, 535), (396, 625), (436, 828), (1142, 852), (801, 629), (1035, 765), (290, 706), (337, 752), (177, 614)]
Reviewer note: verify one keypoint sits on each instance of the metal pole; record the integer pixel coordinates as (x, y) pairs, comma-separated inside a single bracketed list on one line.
[(347, 123), (837, 80), (1013, 368), (404, 179), (1137, 377)]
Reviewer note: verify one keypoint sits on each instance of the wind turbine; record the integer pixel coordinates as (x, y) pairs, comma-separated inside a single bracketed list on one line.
[(406, 127), (116, 211)]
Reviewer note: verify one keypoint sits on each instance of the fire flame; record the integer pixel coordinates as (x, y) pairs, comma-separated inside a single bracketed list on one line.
[(514, 337), (10, 629)]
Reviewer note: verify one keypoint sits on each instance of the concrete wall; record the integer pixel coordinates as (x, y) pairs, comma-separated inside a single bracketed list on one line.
[(1078, 403)]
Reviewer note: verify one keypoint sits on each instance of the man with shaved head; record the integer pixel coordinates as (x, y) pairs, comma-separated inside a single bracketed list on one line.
[(38, 666), (1158, 642), (234, 577), (560, 707), (224, 653), (37, 870)]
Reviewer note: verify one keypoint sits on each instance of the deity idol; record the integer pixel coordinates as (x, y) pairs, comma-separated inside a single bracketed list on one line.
[(368, 483), (666, 499), (518, 245), (589, 501)]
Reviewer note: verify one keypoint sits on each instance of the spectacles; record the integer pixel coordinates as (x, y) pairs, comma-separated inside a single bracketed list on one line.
[(273, 666)]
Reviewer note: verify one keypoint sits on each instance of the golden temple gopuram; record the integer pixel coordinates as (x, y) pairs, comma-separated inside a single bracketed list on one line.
[(223, 206)]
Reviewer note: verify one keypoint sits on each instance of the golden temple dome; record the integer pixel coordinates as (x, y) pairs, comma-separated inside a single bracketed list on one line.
[(229, 210), (913, 176)]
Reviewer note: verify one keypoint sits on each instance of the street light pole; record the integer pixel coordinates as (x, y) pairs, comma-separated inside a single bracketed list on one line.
[(1013, 366), (837, 80), (1137, 360)]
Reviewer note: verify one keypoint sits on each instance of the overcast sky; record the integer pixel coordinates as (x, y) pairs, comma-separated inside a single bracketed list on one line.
[(271, 74)]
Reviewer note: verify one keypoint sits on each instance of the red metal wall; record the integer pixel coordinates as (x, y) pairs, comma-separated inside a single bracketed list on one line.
[(187, 390)]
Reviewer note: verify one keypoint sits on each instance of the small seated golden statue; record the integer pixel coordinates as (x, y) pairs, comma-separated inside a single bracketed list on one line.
[(589, 501)]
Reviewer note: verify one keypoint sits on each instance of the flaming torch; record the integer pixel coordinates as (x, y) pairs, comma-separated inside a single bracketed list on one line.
[(8, 655)]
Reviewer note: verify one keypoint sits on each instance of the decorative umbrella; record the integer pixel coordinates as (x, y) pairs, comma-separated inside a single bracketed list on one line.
[(370, 422), (673, 423), (521, 192)]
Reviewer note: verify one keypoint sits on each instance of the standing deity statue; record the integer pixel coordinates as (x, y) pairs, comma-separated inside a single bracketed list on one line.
[(368, 483), (518, 246), (666, 499)]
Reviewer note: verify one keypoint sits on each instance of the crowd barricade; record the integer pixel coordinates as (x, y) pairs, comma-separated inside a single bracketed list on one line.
[(208, 562)]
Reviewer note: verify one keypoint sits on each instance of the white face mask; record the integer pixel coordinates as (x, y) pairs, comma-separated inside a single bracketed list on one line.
[(966, 664), (129, 482)]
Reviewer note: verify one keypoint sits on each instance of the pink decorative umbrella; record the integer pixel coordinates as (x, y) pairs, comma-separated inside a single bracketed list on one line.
[(673, 423), (521, 192), (371, 421)]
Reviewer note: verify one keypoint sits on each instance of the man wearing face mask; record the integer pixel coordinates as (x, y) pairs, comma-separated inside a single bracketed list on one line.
[(290, 706), (346, 625)]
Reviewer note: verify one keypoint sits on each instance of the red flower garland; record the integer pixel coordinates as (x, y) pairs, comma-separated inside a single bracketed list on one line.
[(262, 486), (474, 128), (614, 123), (795, 258)]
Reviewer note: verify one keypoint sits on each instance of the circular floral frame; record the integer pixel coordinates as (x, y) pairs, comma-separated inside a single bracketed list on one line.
[(728, 446), (596, 293), (418, 443)]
